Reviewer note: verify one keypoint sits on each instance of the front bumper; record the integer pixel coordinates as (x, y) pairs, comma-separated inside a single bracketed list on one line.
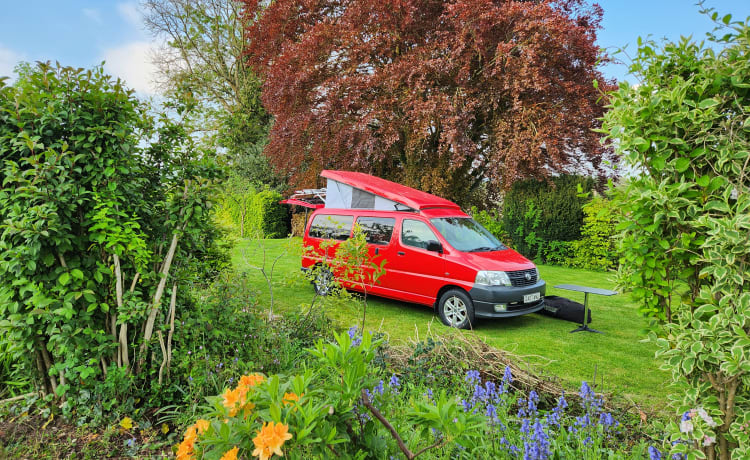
[(486, 297)]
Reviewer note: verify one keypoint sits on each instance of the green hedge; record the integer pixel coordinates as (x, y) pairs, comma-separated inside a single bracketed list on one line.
[(596, 249), (539, 212), (248, 213)]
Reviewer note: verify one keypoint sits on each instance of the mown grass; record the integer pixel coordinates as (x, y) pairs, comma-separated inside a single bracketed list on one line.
[(622, 364)]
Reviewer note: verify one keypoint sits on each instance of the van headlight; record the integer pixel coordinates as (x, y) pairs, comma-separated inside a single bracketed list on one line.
[(492, 278)]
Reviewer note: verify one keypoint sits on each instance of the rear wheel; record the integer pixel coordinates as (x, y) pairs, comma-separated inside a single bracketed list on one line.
[(456, 309), (323, 281)]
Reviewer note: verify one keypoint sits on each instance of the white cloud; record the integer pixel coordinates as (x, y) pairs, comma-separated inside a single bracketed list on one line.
[(130, 13), (93, 14), (132, 63), (8, 60)]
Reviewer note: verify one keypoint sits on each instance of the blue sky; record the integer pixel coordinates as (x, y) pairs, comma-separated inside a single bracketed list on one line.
[(84, 33)]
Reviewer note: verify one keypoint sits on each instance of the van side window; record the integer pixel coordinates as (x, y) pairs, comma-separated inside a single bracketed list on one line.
[(416, 233), (331, 226), (377, 230)]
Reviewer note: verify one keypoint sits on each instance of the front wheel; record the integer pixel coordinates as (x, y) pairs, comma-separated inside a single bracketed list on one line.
[(456, 309), (323, 281)]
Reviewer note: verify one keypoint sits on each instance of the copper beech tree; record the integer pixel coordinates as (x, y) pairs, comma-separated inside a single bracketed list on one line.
[(439, 95)]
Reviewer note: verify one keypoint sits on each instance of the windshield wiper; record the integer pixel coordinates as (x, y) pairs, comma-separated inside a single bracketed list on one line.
[(485, 249)]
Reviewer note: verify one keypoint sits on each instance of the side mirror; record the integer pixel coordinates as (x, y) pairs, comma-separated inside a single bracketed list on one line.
[(434, 246)]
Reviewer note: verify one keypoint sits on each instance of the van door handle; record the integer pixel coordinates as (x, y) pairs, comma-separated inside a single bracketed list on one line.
[(377, 251), (401, 253)]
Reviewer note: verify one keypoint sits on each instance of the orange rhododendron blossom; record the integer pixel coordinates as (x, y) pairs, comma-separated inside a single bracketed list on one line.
[(231, 399), (231, 454), (251, 380), (269, 440), (185, 450), (202, 425), (289, 398)]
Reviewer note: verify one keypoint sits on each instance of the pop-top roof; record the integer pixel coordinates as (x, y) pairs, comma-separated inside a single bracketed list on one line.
[(407, 196)]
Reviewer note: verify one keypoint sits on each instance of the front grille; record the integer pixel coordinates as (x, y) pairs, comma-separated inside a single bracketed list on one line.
[(519, 278)]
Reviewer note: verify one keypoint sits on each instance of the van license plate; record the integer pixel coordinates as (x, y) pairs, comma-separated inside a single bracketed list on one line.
[(528, 298)]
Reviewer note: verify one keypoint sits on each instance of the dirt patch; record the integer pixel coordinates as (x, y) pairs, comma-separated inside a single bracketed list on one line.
[(34, 437)]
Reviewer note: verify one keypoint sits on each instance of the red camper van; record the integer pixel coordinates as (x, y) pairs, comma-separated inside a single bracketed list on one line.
[(435, 253)]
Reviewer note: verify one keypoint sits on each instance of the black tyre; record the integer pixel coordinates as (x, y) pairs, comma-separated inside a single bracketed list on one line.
[(323, 281), (456, 309)]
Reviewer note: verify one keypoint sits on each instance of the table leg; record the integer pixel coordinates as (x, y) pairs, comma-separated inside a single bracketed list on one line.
[(585, 326)]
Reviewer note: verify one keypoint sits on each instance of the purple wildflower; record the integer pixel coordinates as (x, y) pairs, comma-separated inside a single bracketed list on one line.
[(654, 453), (473, 376), (394, 383)]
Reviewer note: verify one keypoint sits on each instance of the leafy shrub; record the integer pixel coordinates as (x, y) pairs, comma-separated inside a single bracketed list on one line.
[(559, 252), (492, 222), (106, 220), (270, 217), (250, 213), (596, 250), (684, 246), (537, 212)]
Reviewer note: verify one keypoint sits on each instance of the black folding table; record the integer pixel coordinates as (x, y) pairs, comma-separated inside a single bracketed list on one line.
[(586, 291)]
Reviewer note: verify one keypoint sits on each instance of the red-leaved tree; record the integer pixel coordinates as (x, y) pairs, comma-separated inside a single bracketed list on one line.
[(441, 95)]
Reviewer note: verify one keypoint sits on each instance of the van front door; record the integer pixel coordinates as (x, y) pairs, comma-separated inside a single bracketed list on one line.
[(415, 271)]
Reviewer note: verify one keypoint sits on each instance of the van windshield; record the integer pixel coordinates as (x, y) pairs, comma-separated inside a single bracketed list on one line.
[(466, 235)]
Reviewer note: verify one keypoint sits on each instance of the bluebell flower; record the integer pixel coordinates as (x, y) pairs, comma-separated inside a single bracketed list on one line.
[(467, 405), (394, 383), (654, 453), (555, 416), (428, 393), (379, 388), (491, 412), (507, 375), (473, 376), (356, 338), (130, 442), (537, 445), (606, 420), (686, 416)]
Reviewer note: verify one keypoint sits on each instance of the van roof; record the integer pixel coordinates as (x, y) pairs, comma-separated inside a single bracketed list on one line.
[(413, 198)]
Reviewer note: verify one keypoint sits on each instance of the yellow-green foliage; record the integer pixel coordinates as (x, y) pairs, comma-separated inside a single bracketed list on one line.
[(246, 212), (596, 249)]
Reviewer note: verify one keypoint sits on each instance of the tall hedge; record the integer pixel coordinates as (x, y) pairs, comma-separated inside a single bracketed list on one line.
[(538, 212), (249, 213)]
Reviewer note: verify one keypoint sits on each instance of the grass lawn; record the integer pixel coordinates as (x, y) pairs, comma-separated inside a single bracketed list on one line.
[(623, 365)]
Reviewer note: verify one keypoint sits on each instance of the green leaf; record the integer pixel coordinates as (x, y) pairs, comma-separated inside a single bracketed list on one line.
[(64, 278), (706, 103), (682, 164)]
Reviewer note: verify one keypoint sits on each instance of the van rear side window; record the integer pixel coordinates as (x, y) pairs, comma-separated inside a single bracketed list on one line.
[(377, 230), (331, 227)]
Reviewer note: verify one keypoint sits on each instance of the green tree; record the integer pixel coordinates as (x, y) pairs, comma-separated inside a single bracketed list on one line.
[(685, 243), (203, 60), (105, 216)]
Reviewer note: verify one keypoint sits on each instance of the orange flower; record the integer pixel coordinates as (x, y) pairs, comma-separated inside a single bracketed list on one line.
[(202, 425), (289, 398), (191, 433), (231, 399), (185, 451), (269, 440), (251, 380), (231, 454)]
